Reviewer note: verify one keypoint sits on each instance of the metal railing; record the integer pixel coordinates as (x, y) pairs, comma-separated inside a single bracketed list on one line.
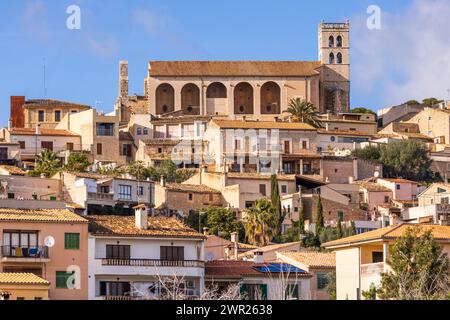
[(100, 196), (38, 252), (152, 263)]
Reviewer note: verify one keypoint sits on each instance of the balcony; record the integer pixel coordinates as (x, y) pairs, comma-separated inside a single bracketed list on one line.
[(100, 196), (153, 263), (371, 274), (25, 254)]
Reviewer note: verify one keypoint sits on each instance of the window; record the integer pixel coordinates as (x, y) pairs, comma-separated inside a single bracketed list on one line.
[(322, 280), (287, 147), (304, 144), (124, 192), (397, 186), (254, 291), (341, 215), (331, 58), (237, 144), (126, 150), (262, 189), (118, 252), (284, 188), (339, 41), (159, 150), (145, 131), (172, 253), (22, 144), (37, 298), (139, 131), (105, 129), (140, 191), (444, 200), (11, 195), (20, 243), (339, 58), (190, 196), (69, 146), (3, 153), (292, 291), (47, 145), (114, 289), (386, 199), (377, 257), (99, 149), (440, 190), (57, 115), (74, 111), (332, 138), (331, 42), (211, 197), (41, 115), (65, 280), (72, 241)]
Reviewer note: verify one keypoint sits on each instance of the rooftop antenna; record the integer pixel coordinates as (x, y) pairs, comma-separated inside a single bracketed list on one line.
[(97, 104), (45, 86)]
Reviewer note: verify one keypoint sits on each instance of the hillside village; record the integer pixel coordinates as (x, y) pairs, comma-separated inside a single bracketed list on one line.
[(221, 174)]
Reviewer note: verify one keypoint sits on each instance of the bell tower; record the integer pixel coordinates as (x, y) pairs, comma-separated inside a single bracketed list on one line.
[(334, 55)]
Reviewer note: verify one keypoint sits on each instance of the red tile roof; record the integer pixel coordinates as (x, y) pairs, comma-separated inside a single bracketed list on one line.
[(43, 132)]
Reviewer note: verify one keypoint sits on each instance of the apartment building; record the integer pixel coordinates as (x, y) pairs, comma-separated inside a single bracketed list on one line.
[(50, 243), (18, 186), (129, 257), (9, 152), (361, 259), (98, 194)]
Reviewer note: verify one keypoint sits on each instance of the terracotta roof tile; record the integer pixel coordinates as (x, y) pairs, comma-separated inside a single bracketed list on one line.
[(398, 180), (313, 259), (43, 132), (374, 187), (271, 247), (13, 170), (391, 232), (124, 226), (195, 188), (258, 176), (35, 103), (281, 125), (40, 215), (344, 132), (21, 278), (234, 68)]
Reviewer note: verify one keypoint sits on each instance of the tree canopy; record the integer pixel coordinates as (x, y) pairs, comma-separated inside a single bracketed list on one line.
[(78, 162), (362, 110), (303, 111)]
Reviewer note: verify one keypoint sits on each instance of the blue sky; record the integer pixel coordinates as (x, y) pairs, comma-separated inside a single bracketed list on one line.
[(388, 65)]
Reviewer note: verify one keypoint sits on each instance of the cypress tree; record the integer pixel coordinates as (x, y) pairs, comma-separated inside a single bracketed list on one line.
[(276, 203), (301, 220), (319, 217), (339, 228)]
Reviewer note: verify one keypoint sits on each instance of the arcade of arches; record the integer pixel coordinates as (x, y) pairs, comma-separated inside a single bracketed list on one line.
[(190, 99), (165, 98)]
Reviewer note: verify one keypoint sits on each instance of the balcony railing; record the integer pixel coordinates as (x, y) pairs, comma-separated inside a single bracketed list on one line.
[(372, 269), (153, 263), (100, 196), (35, 252)]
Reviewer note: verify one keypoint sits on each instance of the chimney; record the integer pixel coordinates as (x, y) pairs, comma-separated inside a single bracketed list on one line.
[(351, 179), (205, 231), (235, 240), (244, 118), (275, 119), (443, 221), (141, 216), (258, 257), (17, 114), (162, 181)]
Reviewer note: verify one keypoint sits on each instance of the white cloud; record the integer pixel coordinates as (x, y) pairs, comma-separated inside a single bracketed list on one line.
[(409, 58)]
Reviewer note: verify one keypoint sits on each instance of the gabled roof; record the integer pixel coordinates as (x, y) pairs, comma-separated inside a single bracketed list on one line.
[(373, 187), (281, 125), (124, 226), (40, 215), (194, 188), (39, 103), (439, 232), (269, 248), (43, 132), (21, 279), (234, 68), (398, 180), (313, 259)]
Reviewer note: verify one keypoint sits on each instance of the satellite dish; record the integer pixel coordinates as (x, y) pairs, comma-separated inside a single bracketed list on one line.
[(377, 174), (49, 241)]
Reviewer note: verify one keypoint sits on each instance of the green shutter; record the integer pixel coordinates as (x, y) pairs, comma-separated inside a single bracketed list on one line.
[(62, 278), (263, 288), (72, 241)]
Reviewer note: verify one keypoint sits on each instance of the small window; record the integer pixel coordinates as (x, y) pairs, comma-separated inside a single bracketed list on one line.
[(41, 116), (69, 146), (22, 144), (322, 280), (333, 139), (331, 42), (211, 197), (139, 131), (341, 215), (140, 191), (397, 187), (190, 196), (331, 58), (339, 58), (65, 280), (145, 131), (11, 195), (339, 42), (159, 150), (72, 241), (262, 189), (304, 144), (377, 257), (386, 199), (99, 149), (284, 188), (57, 115)]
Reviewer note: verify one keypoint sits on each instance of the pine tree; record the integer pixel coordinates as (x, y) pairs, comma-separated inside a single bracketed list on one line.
[(319, 217), (352, 230), (276, 203), (340, 234), (301, 220)]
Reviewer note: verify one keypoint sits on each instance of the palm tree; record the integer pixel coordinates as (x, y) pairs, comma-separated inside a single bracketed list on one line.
[(260, 223), (47, 163), (303, 111)]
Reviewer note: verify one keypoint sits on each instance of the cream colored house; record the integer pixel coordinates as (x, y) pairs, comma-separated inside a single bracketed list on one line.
[(319, 264), (9, 152), (361, 259), (23, 286)]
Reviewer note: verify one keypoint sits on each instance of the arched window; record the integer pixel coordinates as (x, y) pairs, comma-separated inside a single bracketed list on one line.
[(331, 60), (190, 99), (331, 41), (139, 131), (339, 41), (243, 98), (270, 98), (165, 98), (216, 90), (339, 58), (145, 131)]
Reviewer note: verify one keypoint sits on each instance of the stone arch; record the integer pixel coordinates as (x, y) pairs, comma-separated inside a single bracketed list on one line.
[(190, 99), (216, 90), (165, 98), (270, 98), (243, 98), (331, 58), (339, 58), (331, 42), (339, 41)]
